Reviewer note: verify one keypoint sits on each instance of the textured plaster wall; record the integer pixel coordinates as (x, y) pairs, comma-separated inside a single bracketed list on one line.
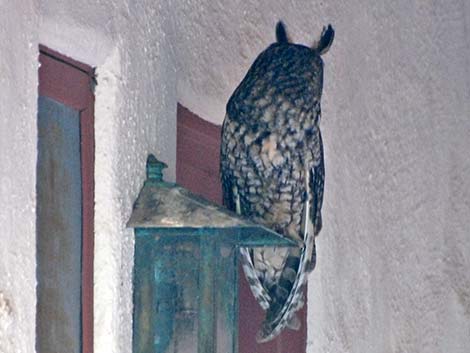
[(394, 253), (18, 86), (135, 114)]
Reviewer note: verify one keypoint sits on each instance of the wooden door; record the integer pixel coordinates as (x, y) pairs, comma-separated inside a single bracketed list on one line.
[(65, 205)]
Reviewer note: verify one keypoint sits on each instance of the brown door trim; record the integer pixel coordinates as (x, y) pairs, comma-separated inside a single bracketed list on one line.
[(71, 82)]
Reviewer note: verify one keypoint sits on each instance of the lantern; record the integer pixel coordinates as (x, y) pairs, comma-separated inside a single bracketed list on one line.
[(186, 268)]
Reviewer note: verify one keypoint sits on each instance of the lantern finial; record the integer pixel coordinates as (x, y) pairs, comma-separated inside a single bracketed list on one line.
[(155, 169)]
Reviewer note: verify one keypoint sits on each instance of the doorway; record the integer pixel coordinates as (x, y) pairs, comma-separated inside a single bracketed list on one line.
[(65, 215)]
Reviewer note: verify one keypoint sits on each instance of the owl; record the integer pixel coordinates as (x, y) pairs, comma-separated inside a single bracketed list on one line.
[(272, 170)]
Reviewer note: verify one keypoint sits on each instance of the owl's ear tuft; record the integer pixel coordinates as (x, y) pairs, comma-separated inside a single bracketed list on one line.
[(281, 35), (326, 39)]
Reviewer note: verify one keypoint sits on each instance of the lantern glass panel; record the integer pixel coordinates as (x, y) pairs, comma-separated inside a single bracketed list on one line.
[(194, 295), (186, 269)]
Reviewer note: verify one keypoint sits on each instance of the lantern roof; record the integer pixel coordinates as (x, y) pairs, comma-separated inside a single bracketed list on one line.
[(169, 209)]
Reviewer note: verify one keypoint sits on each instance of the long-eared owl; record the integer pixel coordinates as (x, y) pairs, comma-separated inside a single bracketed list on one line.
[(272, 170)]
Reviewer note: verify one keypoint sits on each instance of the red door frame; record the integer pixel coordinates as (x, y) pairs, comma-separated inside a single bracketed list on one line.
[(70, 82)]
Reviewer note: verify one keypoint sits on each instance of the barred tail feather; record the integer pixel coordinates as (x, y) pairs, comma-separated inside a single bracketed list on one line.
[(282, 317), (273, 326), (312, 256), (258, 290)]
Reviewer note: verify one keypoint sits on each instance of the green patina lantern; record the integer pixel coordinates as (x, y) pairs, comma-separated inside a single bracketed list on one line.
[(186, 268)]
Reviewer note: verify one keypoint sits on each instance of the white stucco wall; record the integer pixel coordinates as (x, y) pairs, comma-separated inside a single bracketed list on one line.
[(135, 113), (18, 86), (394, 253)]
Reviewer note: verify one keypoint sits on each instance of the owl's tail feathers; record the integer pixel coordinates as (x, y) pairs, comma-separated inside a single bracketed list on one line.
[(253, 278), (326, 39), (281, 312), (294, 323), (311, 258)]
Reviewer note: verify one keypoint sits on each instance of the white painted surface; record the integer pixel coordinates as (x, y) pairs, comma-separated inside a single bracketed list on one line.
[(395, 249), (135, 113), (18, 107), (394, 255)]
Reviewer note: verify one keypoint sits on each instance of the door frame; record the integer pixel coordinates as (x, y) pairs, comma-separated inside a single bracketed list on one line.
[(71, 83)]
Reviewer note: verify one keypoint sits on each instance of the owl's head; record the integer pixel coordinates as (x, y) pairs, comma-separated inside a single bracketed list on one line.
[(321, 46)]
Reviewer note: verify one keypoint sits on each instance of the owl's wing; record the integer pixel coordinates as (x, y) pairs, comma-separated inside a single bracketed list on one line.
[(316, 183), (311, 226), (226, 175), (231, 200), (285, 315)]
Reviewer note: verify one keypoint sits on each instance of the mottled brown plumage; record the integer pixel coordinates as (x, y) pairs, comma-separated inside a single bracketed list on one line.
[(272, 169)]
